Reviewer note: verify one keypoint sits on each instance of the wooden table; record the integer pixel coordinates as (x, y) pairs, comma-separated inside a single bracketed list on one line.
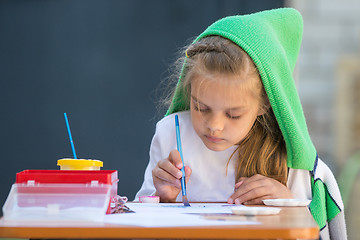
[(291, 223)]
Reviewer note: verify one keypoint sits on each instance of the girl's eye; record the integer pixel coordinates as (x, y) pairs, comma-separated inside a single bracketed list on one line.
[(232, 117), (197, 107)]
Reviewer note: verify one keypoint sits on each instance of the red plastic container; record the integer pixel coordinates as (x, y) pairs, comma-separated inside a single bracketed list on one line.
[(90, 177)]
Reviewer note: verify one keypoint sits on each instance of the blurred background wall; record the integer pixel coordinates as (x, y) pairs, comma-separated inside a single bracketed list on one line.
[(101, 62)]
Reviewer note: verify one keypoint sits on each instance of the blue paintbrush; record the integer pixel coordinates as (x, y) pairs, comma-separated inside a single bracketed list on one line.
[(70, 137), (178, 141)]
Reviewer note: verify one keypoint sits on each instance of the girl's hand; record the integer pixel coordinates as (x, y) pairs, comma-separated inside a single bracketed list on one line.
[(166, 177), (254, 189)]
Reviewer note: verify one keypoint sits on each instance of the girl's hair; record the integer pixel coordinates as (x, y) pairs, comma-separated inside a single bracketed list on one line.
[(263, 150)]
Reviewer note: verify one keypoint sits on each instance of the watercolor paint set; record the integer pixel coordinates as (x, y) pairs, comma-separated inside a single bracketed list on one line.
[(61, 195)]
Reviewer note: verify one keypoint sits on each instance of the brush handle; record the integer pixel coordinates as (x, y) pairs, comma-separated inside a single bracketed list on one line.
[(178, 142), (70, 137)]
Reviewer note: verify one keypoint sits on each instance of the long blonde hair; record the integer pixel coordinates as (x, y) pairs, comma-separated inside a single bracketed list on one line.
[(263, 150)]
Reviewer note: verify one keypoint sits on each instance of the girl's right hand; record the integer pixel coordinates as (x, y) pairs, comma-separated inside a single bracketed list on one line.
[(167, 177)]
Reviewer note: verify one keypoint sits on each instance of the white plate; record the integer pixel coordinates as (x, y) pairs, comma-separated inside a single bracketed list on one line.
[(243, 210), (287, 202)]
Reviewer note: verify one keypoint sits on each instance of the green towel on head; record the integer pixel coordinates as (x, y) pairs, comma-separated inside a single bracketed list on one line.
[(272, 39)]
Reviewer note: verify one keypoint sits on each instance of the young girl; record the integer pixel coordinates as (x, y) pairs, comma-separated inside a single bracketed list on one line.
[(244, 135)]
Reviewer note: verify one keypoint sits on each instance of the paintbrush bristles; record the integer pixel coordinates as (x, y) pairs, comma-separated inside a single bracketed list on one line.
[(186, 201)]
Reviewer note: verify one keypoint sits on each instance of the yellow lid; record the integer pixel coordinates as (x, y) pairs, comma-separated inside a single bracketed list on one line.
[(79, 164)]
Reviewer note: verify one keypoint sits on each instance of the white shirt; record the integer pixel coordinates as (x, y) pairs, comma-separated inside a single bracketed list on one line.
[(211, 179)]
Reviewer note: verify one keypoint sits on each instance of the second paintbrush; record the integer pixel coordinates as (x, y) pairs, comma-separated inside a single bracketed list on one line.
[(178, 142)]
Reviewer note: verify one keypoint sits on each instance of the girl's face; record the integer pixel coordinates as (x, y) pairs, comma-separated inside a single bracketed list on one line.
[(223, 109)]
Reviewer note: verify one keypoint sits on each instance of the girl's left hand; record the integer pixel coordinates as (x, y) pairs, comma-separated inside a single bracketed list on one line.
[(254, 189)]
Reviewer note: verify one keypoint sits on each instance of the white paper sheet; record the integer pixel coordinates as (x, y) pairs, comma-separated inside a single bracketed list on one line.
[(174, 215)]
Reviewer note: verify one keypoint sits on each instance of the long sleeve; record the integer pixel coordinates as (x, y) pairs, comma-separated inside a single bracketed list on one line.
[(155, 154)]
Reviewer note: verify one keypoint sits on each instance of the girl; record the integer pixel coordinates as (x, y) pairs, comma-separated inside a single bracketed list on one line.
[(243, 130)]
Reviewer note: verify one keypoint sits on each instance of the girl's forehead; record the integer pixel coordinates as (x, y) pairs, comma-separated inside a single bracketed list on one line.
[(220, 89)]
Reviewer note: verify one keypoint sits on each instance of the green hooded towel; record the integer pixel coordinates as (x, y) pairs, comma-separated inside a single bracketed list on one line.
[(272, 39)]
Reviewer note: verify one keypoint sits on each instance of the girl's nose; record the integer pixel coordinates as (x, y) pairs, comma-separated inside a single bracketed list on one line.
[(215, 123)]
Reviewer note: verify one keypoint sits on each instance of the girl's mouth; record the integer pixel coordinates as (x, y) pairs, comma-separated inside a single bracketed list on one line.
[(213, 139)]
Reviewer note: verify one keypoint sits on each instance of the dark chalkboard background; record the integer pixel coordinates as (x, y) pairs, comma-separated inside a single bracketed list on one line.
[(99, 61)]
